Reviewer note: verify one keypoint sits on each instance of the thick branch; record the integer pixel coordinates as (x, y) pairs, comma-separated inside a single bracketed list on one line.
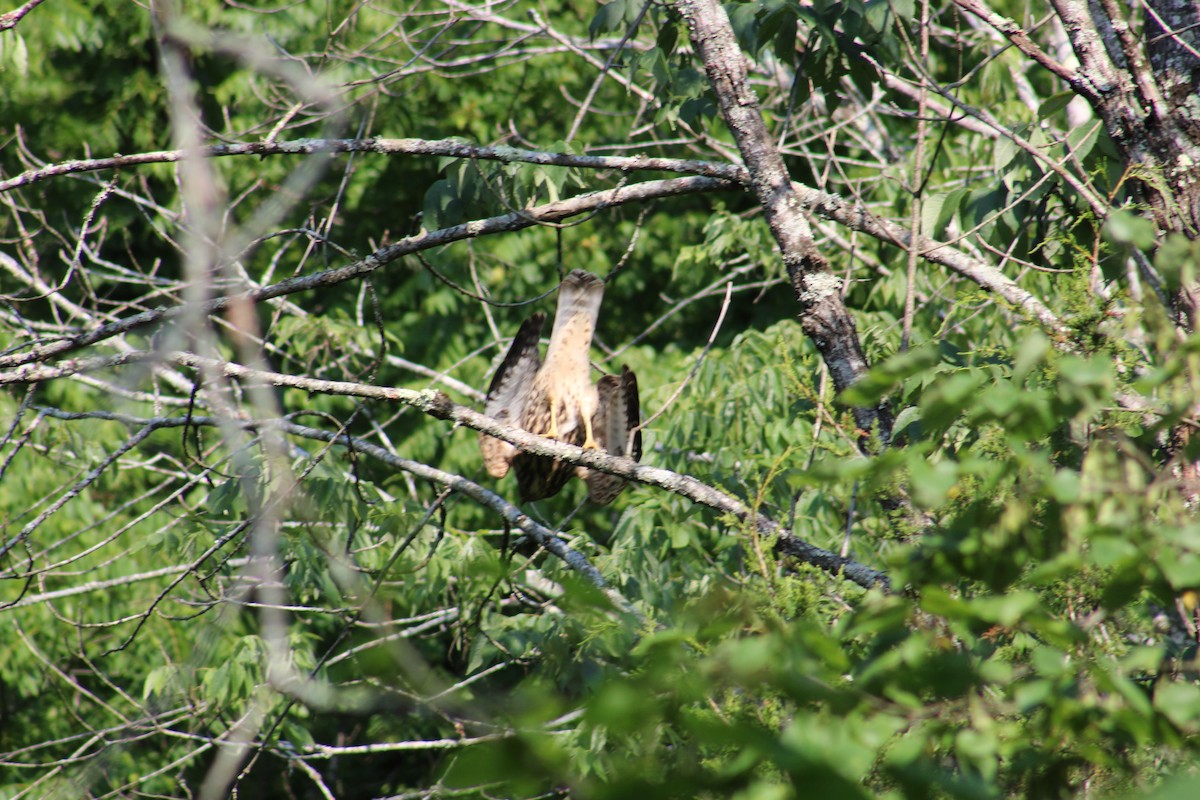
[(829, 206), (823, 314), (1019, 38), (10, 19), (1105, 85), (1172, 32)]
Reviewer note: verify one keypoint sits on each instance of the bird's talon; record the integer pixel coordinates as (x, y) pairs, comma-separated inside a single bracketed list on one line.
[(553, 418)]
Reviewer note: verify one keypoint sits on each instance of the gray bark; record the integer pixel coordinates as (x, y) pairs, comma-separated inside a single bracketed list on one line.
[(823, 314), (1143, 85)]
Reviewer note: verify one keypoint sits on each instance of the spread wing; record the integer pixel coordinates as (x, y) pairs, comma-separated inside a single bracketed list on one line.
[(615, 423), (557, 398), (508, 394)]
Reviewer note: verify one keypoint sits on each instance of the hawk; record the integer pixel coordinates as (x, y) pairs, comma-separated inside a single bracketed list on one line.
[(556, 398)]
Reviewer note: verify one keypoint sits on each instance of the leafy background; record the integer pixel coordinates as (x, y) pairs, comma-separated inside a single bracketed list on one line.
[(1040, 643)]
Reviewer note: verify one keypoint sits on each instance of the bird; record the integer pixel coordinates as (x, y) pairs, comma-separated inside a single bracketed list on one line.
[(556, 398)]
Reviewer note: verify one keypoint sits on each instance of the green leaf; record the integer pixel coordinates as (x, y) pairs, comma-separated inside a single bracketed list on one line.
[(222, 499), (1003, 152), (442, 206), (985, 203), (1179, 702), (1177, 260), (681, 537), (909, 419), (618, 706), (1055, 103), (158, 680), (668, 36), (743, 18), (785, 39), (1083, 139), (1065, 486), (905, 9), (1007, 609), (20, 55), (1182, 570), (931, 483), (1085, 372), (1185, 786), (1032, 693), (878, 14), (1126, 227), (882, 378), (609, 17), (1031, 352), (946, 210)]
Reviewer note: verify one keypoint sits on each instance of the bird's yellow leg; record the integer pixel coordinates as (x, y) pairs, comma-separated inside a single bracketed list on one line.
[(553, 416), (589, 443)]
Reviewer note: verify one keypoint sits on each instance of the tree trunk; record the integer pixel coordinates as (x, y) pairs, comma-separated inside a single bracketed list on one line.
[(823, 313), (1145, 91), (1172, 30)]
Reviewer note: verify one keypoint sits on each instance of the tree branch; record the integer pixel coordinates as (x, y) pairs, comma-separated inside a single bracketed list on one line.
[(10, 19), (836, 208), (549, 212), (825, 204), (1104, 85), (1019, 38), (382, 146), (545, 537), (1136, 63), (823, 313), (437, 404)]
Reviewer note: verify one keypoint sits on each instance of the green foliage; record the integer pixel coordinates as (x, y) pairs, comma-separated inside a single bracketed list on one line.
[(206, 586)]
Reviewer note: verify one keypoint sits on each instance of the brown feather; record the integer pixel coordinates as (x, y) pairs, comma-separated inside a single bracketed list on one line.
[(564, 380), (526, 387), (618, 416), (507, 392)]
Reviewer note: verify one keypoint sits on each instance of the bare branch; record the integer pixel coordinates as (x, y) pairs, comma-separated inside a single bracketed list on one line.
[(549, 212), (437, 404), (10, 19), (424, 147), (330, 751)]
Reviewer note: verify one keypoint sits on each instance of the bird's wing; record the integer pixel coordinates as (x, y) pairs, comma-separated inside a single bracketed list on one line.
[(509, 391), (616, 427)]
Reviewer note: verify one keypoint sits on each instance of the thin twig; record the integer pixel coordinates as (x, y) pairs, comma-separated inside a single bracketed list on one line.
[(712, 338)]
